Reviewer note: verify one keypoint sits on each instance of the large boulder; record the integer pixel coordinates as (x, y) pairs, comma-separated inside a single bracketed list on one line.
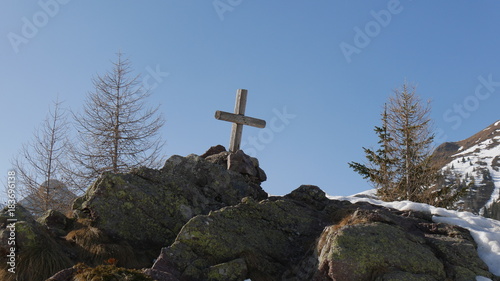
[(147, 208), (256, 240), (367, 250), (375, 243)]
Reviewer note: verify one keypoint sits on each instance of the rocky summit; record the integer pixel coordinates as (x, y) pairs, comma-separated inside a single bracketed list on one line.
[(207, 218)]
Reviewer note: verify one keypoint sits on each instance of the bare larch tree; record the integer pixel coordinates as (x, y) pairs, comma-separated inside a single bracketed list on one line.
[(115, 130), (409, 124), (39, 165)]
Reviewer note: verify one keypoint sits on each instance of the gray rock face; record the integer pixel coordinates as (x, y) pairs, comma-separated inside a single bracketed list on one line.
[(305, 236), (381, 251), (238, 162), (268, 235), (55, 222), (147, 208)]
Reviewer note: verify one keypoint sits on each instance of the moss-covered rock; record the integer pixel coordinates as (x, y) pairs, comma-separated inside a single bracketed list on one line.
[(55, 222), (229, 271), (305, 236), (363, 251), (53, 219), (147, 208), (461, 254), (37, 255), (218, 224), (268, 236)]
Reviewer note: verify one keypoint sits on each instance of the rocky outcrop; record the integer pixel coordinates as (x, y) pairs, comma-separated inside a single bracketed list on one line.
[(373, 246), (305, 236), (258, 240), (147, 208), (214, 222), (130, 217)]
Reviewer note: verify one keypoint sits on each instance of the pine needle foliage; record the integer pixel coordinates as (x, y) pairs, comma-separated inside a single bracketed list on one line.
[(402, 168)]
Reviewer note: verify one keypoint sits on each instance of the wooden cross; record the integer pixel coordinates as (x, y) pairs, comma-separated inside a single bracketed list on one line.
[(239, 119)]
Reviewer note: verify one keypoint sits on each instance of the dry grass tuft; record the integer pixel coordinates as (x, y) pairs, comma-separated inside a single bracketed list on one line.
[(108, 273), (96, 247), (352, 219), (37, 263)]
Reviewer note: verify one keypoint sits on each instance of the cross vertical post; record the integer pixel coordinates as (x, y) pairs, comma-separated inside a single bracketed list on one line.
[(237, 129)]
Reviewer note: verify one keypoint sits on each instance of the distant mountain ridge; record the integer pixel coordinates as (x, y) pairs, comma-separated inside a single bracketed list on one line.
[(477, 161)]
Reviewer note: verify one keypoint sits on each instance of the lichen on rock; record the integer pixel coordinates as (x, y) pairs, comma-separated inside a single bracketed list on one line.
[(147, 208), (363, 251), (198, 220), (305, 236)]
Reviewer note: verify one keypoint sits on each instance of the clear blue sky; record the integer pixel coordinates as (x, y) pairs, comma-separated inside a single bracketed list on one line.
[(329, 64)]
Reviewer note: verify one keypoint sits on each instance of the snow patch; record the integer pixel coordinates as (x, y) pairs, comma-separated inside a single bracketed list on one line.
[(480, 148)]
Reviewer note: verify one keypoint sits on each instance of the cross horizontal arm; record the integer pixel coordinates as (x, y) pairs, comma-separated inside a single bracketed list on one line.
[(240, 119)]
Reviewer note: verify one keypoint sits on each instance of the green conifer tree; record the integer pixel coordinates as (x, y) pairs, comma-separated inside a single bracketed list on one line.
[(403, 167), (380, 167)]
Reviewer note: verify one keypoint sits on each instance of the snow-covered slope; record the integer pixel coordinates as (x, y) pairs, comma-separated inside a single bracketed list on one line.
[(486, 232), (475, 160)]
